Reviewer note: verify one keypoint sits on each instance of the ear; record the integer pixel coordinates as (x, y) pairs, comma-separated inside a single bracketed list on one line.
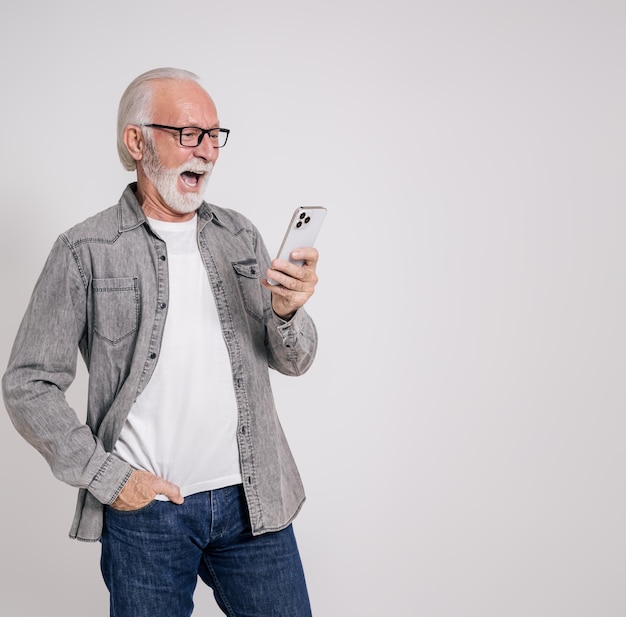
[(133, 139)]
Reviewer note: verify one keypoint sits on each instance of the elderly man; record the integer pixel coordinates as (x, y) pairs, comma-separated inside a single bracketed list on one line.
[(182, 465)]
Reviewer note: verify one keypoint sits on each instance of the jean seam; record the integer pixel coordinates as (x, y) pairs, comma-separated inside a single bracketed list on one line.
[(217, 588)]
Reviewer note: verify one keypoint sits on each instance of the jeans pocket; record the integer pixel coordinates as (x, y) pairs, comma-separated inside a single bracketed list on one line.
[(116, 308), (136, 511)]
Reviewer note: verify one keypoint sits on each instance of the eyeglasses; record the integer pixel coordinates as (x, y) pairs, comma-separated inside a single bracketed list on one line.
[(192, 136)]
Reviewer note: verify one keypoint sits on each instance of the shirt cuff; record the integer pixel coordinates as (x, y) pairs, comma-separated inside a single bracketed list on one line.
[(108, 483), (290, 329)]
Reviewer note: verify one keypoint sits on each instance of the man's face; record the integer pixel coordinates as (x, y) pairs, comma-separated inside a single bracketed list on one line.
[(177, 176), (195, 175)]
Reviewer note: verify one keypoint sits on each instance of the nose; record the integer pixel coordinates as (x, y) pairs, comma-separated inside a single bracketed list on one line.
[(206, 150)]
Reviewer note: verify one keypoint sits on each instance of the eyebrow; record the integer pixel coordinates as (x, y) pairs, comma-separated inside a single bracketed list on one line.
[(196, 126)]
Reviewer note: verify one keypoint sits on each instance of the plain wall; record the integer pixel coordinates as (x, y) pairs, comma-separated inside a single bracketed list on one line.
[(461, 433)]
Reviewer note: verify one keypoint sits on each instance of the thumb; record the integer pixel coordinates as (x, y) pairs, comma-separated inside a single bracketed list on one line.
[(169, 489)]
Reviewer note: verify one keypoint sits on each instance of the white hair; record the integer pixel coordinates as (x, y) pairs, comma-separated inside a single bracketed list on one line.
[(136, 105)]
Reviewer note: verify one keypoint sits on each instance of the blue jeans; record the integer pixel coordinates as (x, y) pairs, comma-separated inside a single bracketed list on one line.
[(152, 557)]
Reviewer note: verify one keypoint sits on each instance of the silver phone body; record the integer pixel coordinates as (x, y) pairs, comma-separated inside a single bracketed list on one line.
[(302, 232)]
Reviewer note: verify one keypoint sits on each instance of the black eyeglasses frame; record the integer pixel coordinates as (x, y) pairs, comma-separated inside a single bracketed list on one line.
[(203, 132)]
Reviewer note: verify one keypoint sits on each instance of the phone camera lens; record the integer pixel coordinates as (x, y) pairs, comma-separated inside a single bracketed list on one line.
[(299, 224), (302, 215), (307, 219)]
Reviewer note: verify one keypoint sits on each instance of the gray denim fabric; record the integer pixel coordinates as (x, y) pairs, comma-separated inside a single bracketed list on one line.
[(104, 290)]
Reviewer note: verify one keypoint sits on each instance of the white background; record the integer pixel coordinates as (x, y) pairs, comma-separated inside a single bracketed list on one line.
[(461, 435)]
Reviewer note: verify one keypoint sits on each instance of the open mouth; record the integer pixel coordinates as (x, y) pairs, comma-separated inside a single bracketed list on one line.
[(191, 178)]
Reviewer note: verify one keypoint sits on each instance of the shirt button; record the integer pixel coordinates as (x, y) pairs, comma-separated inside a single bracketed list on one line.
[(162, 305), (152, 356), (162, 258)]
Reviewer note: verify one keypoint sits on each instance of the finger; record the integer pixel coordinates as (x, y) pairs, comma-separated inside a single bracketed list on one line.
[(295, 277), (282, 279), (168, 489), (285, 267), (308, 253), (288, 285)]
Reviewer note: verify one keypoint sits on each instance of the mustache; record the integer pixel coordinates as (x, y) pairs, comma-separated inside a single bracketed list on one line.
[(196, 168)]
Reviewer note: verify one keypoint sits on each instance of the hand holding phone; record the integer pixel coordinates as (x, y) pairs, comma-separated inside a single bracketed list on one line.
[(302, 231)]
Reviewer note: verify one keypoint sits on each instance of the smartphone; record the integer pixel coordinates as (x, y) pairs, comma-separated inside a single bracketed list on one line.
[(303, 228)]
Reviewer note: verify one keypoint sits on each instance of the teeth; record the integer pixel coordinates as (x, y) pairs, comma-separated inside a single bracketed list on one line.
[(192, 178)]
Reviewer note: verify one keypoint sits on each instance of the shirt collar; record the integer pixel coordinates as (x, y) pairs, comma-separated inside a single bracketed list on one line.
[(132, 216)]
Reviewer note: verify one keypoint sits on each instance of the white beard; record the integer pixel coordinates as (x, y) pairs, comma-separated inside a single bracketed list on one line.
[(166, 180)]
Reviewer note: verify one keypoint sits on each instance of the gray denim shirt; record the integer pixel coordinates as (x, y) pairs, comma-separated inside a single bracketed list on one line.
[(104, 290)]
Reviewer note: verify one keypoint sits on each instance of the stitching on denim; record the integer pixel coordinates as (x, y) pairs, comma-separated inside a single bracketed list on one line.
[(240, 394), (117, 492), (74, 253), (244, 279), (102, 470), (218, 588), (97, 240), (134, 287)]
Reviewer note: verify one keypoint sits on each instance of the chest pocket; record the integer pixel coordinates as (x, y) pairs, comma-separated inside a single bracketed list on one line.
[(247, 275), (116, 308)]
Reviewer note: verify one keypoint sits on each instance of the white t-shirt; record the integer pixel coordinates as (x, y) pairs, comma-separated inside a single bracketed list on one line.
[(183, 425)]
